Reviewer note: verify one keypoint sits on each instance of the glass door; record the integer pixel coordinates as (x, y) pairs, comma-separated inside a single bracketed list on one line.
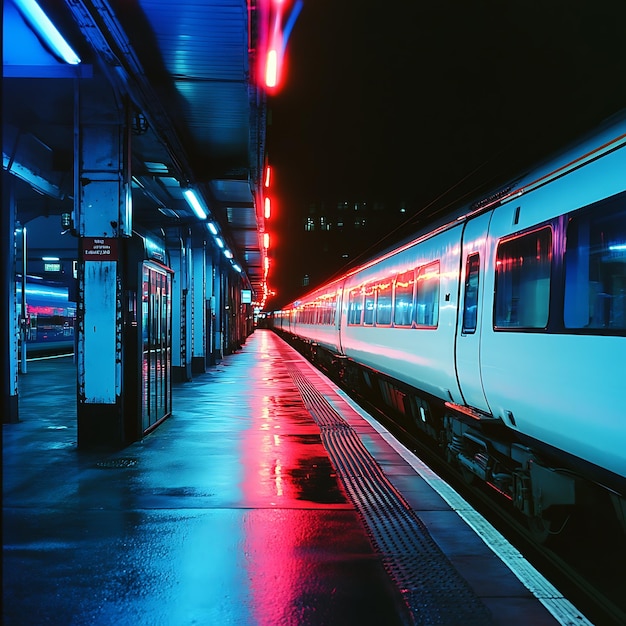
[(156, 359)]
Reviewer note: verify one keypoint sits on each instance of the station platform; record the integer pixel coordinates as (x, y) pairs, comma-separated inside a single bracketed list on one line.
[(268, 498)]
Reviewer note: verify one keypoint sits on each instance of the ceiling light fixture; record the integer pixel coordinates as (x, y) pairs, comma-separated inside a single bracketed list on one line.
[(194, 203), (41, 23)]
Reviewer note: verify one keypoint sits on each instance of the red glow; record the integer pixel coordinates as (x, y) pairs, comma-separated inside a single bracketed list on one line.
[(268, 209), (271, 42), (276, 536), (266, 240), (271, 69), (267, 175)]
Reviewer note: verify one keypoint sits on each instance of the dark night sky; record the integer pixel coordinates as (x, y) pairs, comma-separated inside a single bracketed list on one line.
[(402, 99)]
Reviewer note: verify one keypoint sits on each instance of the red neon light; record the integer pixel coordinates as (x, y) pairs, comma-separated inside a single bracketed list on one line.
[(271, 69), (268, 209), (266, 240), (267, 176)]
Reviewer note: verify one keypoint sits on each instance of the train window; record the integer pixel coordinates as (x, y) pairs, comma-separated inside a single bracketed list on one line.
[(368, 307), (427, 299), (403, 299), (333, 311), (595, 270), (330, 305), (522, 295), (470, 305), (383, 303), (355, 307)]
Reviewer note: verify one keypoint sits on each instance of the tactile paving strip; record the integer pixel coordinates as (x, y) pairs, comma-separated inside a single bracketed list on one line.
[(433, 590)]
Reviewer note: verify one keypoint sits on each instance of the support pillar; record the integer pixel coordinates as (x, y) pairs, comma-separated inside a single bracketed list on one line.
[(181, 361), (8, 312), (199, 361), (210, 309), (218, 298), (103, 215)]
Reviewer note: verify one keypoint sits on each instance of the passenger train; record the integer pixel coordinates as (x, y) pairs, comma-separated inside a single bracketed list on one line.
[(50, 317), (499, 334)]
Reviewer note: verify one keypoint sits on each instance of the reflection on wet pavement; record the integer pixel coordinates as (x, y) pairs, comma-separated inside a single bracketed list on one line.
[(229, 513)]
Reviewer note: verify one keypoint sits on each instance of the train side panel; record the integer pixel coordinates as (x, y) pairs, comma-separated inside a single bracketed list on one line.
[(420, 354), (557, 374)]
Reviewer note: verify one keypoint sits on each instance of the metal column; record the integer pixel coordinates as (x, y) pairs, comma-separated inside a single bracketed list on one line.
[(103, 216), (199, 361)]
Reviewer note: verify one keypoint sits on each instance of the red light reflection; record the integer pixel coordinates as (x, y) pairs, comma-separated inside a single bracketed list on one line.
[(280, 448)]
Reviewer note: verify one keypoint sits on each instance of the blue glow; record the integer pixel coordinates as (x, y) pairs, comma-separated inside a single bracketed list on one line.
[(219, 242), (47, 30), (212, 228), (293, 16), (194, 203)]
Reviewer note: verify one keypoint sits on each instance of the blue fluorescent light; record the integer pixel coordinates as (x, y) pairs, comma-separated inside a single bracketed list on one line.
[(219, 242), (194, 203), (40, 22), (228, 254), (212, 228), (236, 268)]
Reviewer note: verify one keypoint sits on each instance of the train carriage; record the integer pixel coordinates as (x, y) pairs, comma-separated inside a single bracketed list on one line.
[(501, 332)]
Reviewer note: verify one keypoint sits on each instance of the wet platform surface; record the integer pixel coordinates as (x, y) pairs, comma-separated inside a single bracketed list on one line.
[(266, 499)]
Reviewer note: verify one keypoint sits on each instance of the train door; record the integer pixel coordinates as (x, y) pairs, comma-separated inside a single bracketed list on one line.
[(156, 348), (468, 336)]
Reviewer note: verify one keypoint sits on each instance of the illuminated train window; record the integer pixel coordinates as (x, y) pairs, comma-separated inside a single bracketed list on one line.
[(427, 298), (383, 303), (595, 270), (470, 306), (404, 305), (355, 307), (523, 265), (369, 305)]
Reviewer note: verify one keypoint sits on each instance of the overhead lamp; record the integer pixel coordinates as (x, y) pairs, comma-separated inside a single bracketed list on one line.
[(212, 228), (156, 168), (219, 242), (228, 254), (236, 268), (194, 203), (41, 23)]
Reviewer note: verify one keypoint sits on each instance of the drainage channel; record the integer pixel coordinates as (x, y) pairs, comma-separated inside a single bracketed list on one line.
[(435, 593)]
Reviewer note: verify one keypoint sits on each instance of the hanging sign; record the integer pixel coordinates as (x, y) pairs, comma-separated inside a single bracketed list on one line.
[(99, 249)]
